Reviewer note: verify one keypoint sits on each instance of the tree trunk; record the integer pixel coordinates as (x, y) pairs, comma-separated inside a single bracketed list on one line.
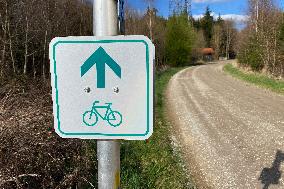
[(81, 20), (228, 42), (34, 69), (44, 54), (257, 16), (4, 27), (11, 50), (26, 46), (151, 25), (274, 50)]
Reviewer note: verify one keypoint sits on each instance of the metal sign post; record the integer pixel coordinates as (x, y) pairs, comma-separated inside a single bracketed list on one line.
[(103, 87), (108, 153), (105, 23)]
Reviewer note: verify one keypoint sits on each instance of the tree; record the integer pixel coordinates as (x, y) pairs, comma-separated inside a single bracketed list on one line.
[(249, 55), (27, 26), (151, 12), (179, 40), (199, 43), (134, 22), (138, 24), (207, 25), (160, 40), (217, 37), (281, 35), (264, 27), (4, 24), (281, 46), (229, 36)]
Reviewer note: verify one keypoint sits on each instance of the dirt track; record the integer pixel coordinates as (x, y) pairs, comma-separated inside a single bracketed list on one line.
[(230, 131)]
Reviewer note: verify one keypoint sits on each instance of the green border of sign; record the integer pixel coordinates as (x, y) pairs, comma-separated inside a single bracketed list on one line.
[(103, 42)]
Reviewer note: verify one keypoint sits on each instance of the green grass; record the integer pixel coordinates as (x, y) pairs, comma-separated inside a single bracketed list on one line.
[(257, 79), (154, 164)]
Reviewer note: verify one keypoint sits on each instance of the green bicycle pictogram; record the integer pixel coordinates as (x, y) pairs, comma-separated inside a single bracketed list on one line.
[(114, 118)]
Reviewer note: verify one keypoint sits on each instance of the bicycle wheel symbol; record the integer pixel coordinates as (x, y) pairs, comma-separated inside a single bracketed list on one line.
[(90, 119), (114, 118)]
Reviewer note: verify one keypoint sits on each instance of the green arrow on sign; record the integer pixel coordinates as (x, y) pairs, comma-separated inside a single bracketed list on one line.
[(101, 59)]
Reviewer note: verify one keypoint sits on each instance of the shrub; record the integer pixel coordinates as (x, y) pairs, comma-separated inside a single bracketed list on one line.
[(250, 55), (179, 40)]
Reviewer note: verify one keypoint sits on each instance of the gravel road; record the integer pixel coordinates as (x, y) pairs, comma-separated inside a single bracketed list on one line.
[(231, 132)]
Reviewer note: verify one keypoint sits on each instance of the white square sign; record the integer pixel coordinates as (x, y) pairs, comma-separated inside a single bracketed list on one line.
[(102, 87)]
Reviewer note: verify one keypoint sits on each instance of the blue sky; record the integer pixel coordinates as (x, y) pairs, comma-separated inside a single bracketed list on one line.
[(198, 6), (229, 9)]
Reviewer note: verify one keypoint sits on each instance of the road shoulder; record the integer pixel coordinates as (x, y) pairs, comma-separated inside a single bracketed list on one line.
[(256, 79), (187, 155)]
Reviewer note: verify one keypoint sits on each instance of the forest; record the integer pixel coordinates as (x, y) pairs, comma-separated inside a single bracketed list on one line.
[(261, 43), (27, 27)]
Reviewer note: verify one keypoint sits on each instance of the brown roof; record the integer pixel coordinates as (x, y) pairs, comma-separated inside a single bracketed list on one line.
[(207, 51)]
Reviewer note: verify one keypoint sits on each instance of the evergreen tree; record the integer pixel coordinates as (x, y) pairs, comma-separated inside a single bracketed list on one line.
[(220, 20), (196, 24), (207, 25)]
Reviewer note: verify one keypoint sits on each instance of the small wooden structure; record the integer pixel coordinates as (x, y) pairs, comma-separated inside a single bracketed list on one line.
[(208, 54)]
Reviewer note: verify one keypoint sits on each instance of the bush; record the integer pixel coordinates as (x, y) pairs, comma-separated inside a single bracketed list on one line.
[(32, 155), (281, 36), (179, 40), (250, 55)]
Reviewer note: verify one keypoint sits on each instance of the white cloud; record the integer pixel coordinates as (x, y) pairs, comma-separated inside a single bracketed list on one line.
[(235, 17), (197, 16), (239, 18)]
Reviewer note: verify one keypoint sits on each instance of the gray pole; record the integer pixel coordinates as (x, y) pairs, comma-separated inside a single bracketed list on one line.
[(108, 151), (105, 18)]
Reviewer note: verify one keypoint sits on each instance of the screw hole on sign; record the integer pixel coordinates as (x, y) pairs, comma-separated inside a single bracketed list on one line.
[(87, 90), (116, 90)]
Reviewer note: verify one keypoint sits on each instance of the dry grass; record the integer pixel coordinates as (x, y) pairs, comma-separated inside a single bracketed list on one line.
[(31, 154), (255, 78)]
